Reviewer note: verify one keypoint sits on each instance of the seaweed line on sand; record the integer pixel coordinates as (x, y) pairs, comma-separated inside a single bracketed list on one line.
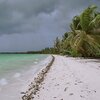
[(34, 86)]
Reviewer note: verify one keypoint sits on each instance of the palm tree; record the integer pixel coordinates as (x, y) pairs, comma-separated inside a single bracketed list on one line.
[(57, 45), (84, 40)]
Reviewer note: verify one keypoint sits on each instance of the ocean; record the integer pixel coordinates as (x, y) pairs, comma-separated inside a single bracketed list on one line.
[(12, 70), (17, 62)]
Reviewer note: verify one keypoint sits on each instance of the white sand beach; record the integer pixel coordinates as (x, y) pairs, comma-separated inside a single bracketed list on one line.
[(71, 79)]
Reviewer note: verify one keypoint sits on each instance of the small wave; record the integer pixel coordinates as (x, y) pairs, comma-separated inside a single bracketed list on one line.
[(36, 59), (35, 62), (17, 75), (3, 81)]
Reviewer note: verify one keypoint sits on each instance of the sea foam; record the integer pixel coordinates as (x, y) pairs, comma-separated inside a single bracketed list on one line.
[(3, 81), (17, 75), (35, 62)]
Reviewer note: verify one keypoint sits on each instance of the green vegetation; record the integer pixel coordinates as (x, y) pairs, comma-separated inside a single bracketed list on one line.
[(84, 38)]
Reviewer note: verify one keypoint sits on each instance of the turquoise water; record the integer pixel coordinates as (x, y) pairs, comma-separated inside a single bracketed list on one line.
[(16, 70), (16, 62)]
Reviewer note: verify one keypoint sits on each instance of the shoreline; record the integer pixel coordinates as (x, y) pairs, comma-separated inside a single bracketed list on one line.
[(12, 85), (33, 87)]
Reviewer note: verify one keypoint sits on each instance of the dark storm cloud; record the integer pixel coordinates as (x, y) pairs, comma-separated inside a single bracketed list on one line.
[(16, 15), (21, 16), (34, 24)]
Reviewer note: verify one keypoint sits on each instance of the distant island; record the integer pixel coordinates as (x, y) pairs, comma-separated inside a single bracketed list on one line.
[(43, 51)]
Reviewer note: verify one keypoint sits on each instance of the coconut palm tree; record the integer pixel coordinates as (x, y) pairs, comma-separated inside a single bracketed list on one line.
[(57, 45), (84, 40)]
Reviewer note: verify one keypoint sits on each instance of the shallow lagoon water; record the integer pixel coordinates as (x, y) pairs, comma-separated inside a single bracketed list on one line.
[(14, 68)]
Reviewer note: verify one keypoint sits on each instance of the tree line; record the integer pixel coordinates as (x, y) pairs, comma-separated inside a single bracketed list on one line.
[(84, 38)]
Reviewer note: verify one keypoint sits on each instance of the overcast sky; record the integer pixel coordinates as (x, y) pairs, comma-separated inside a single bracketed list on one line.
[(34, 24)]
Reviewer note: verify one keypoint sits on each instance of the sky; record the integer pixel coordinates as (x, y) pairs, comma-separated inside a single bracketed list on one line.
[(27, 25)]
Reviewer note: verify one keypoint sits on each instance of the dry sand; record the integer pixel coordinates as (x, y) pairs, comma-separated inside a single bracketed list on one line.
[(71, 79)]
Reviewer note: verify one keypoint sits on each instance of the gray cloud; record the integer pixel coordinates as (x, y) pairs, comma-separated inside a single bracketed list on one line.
[(38, 22), (15, 15)]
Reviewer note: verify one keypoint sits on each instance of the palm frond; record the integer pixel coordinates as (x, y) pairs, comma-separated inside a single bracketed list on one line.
[(86, 17)]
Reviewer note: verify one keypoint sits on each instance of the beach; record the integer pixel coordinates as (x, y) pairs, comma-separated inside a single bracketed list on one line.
[(55, 78), (70, 79)]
